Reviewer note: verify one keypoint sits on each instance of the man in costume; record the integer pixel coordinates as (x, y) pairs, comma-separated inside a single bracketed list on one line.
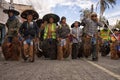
[(13, 25), (29, 31), (105, 36), (77, 35), (63, 31), (115, 45), (50, 42), (91, 32)]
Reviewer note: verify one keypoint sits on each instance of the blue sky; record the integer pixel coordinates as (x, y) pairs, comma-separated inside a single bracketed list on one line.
[(70, 8), (71, 13)]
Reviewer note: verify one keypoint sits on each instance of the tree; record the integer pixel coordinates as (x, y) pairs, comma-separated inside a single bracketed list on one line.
[(117, 24), (104, 4), (85, 13)]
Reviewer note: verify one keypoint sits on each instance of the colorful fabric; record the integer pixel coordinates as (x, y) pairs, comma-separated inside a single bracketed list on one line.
[(53, 36), (105, 35), (114, 39)]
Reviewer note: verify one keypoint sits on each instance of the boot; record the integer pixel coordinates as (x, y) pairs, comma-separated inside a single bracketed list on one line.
[(25, 50), (31, 53), (60, 53)]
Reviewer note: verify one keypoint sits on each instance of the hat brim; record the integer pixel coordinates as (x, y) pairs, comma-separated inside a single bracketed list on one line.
[(54, 16), (116, 29), (6, 11), (39, 22), (30, 12), (72, 26)]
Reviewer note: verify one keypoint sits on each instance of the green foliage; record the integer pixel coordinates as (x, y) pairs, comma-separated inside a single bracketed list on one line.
[(117, 24)]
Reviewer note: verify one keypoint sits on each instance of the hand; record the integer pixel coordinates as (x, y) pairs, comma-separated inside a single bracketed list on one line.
[(23, 39), (73, 35), (12, 29), (19, 35), (58, 39), (68, 34), (88, 36), (37, 40)]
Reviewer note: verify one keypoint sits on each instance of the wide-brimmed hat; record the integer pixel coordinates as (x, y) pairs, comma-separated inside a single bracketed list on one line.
[(51, 15), (72, 26), (30, 12), (6, 11), (63, 17), (39, 22), (116, 29)]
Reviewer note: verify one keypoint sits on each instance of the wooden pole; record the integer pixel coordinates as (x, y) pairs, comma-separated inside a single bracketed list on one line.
[(11, 1), (92, 8), (11, 4)]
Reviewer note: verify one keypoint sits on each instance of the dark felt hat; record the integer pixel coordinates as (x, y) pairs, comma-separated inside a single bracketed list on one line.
[(51, 15), (72, 26), (62, 18), (6, 11), (39, 22), (30, 12)]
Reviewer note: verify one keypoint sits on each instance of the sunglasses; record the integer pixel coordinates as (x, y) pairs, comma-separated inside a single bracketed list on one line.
[(94, 16)]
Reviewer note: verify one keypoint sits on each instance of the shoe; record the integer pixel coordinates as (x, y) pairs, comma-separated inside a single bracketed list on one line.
[(94, 59), (31, 61), (74, 58), (25, 59)]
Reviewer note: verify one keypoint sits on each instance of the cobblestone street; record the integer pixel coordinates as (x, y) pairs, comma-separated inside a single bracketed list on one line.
[(80, 69), (59, 39)]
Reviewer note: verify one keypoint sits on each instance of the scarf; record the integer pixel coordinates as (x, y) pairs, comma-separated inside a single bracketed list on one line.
[(12, 17)]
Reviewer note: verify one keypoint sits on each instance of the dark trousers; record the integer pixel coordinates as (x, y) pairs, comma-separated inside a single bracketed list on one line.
[(94, 44), (50, 48), (75, 50), (81, 49), (10, 39)]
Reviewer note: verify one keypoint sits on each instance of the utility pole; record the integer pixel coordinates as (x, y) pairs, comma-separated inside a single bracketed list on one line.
[(0, 2), (92, 8), (11, 1), (11, 5)]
